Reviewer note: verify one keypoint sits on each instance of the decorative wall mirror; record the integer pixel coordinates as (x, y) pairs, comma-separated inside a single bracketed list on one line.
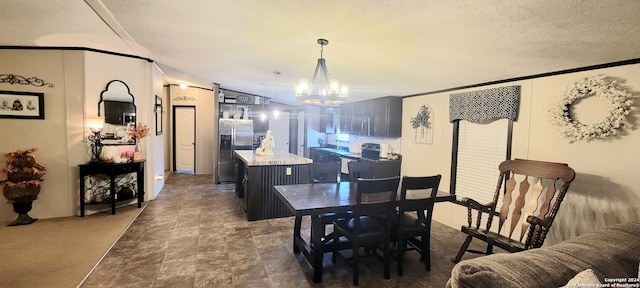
[(119, 111)]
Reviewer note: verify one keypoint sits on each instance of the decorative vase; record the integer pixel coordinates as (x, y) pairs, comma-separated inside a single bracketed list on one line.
[(137, 155), (22, 208), (109, 154)]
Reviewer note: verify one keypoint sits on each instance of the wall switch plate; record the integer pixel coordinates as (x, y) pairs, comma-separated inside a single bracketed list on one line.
[(288, 171)]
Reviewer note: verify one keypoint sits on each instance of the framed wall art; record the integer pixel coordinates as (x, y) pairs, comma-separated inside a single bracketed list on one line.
[(158, 109), (422, 125), (22, 105)]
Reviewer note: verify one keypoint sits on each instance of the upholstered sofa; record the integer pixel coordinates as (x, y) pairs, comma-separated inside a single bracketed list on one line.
[(612, 253)]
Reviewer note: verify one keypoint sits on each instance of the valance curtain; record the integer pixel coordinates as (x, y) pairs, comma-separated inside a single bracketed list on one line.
[(485, 105)]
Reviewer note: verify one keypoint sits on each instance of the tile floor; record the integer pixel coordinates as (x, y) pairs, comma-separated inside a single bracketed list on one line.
[(195, 235)]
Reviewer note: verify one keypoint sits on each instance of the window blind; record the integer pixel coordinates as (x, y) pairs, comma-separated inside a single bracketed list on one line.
[(481, 148)]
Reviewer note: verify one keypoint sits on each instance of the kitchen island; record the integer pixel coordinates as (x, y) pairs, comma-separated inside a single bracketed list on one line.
[(256, 176)]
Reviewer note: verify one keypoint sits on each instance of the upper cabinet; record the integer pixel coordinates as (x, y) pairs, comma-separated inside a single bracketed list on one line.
[(326, 123), (346, 113), (381, 117), (361, 120), (386, 117)]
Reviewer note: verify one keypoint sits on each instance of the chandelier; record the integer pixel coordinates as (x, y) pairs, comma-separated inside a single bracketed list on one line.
[(321, 90)]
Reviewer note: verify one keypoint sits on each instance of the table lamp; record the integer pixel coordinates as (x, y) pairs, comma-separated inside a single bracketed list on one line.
[(95, 124)]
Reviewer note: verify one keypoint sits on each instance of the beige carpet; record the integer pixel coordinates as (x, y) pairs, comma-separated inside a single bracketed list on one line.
[(59, 252)]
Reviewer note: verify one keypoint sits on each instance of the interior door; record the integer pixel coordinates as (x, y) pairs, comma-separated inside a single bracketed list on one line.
[(185, 139), (280, 131)]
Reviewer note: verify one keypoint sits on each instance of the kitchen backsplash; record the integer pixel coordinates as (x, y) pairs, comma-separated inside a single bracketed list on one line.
[(355, 142)]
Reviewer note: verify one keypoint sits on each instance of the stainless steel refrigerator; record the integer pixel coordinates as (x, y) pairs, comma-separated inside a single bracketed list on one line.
[(234, 134)]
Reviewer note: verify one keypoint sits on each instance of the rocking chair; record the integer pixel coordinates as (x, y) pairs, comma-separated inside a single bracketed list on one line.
[(542, 185)]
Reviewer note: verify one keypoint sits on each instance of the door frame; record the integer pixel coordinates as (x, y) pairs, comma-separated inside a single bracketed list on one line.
[(195, 135)]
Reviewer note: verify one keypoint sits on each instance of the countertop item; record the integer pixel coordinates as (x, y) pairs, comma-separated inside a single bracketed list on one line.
[(371, 151), (278, 158)]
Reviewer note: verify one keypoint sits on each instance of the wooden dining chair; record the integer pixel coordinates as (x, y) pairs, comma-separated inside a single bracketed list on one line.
[(531, 193), (371, 223), (326, 172), (355, 169), (413, 224)]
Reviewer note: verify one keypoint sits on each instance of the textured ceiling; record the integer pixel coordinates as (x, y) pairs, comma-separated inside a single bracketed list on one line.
[(378, 48)]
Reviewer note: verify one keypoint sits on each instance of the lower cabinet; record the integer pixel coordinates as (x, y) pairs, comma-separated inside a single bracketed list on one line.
[(371, 169), (319, 155)]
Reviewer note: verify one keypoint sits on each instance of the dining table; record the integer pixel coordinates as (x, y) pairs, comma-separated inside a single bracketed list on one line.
[(314, 200)]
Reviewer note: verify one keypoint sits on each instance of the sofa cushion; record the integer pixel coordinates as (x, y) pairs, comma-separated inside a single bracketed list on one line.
[(611, 252), (584, 277)]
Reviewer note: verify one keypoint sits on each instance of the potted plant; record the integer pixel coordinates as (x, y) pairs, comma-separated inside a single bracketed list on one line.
[(23, 183)]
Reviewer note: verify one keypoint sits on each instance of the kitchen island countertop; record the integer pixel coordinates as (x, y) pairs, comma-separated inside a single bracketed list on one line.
[(250, 158)]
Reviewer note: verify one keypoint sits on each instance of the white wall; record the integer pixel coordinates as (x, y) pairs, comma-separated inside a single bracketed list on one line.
[(156, 143), (203, 100), (58, 136), (78, 77), (144, 82), (604, 191)]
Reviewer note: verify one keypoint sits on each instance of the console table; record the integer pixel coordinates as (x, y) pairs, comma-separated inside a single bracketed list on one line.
[(112, 169)]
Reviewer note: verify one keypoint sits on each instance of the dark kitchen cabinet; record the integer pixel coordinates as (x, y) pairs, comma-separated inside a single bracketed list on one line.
[(361, 120), (319, 155), (381, 117), (326, 123), (386, 117), (362, 108), (346, 114)]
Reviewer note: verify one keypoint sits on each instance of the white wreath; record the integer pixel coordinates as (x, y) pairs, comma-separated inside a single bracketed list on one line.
[(614, 122)]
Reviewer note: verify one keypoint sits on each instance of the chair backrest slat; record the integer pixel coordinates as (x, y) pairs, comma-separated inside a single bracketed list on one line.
[(532, 206), (507, 199), (421, 202), (519, 204), (551, 191), (375, 197)]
